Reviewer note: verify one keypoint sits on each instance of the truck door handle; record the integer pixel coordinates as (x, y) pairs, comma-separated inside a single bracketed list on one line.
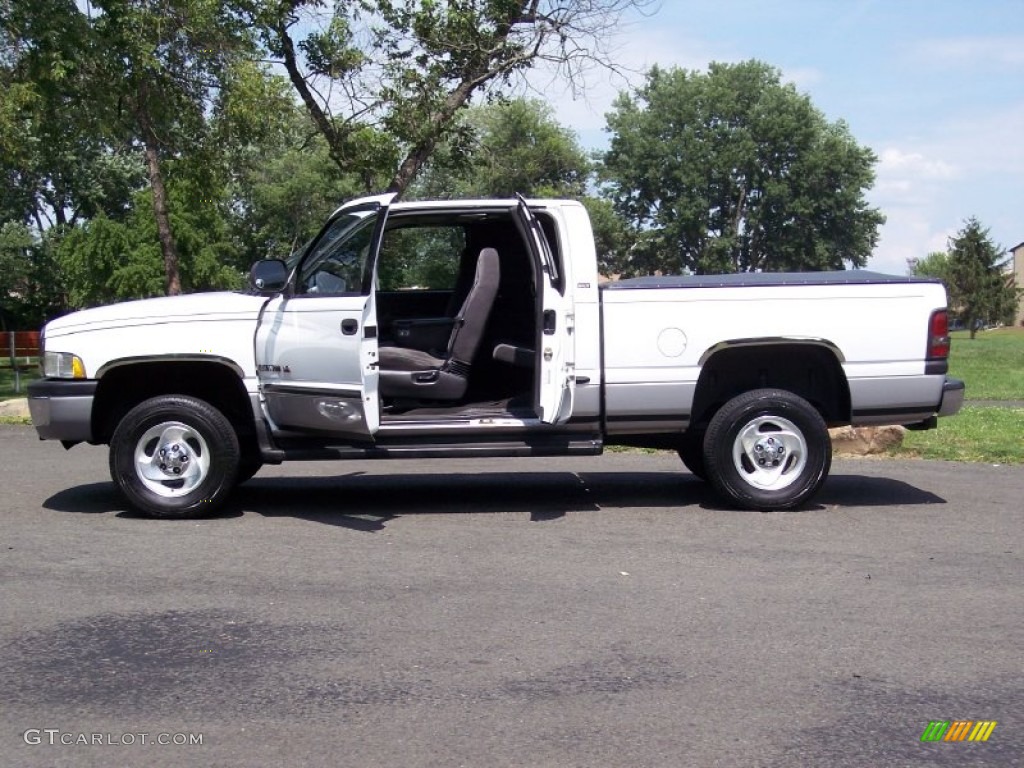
[(349, 326), (549, 321)]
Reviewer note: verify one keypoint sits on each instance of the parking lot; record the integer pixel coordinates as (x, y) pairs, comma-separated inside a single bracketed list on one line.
[(578, 612)]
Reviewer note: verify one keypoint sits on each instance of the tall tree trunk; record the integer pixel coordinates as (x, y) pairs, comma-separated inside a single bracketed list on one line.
[(168, 248)]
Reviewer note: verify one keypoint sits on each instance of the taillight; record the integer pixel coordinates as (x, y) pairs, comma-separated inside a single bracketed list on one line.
[(938, 335)]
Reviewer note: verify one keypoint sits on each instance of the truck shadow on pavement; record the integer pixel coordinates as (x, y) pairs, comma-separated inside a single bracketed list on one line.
[(367, 502)]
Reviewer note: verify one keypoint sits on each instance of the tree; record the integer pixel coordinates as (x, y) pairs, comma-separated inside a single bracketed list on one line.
[(935, 264), (280, 181), (613, 237), (502, 149), (105, 86), (30, 287), (732, 171), (165, 57), (105, 260), (58, 159), (384, 80), (15, 243), (980, 290)]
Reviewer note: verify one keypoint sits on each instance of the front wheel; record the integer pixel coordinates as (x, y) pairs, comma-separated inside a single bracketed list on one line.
[(767, 449), (174, 457)]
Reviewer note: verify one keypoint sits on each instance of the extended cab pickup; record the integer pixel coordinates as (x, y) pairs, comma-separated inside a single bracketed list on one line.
[(478, 328)]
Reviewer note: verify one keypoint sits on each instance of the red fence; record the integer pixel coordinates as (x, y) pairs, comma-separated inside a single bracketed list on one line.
[(15, 344), (15, 349)]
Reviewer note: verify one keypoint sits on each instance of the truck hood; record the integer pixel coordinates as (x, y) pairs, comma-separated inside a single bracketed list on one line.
[(196, 307)]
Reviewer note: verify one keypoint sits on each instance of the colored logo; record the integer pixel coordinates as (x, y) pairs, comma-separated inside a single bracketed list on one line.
[(958, 730)]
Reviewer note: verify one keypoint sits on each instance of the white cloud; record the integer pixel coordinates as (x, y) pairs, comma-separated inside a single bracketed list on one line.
[(928, 186), (897, 162), (803, 77), (982, 52), (908, 178), (909, 233), (986, 142)]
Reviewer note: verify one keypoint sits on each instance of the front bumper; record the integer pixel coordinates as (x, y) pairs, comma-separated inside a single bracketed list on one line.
[(62, 410), (953, 391)]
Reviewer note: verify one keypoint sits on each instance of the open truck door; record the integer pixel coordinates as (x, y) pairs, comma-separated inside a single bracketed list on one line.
[(555, 384), (316, 343)]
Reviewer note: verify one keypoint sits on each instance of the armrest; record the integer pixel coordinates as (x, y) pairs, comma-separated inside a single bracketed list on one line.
[(520, 357)]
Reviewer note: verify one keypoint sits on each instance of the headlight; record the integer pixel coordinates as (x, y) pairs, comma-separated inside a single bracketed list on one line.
[(63, 365)]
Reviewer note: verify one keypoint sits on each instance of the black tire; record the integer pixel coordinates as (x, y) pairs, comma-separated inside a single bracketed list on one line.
[(691, 451), (767, 449), (197, 441)]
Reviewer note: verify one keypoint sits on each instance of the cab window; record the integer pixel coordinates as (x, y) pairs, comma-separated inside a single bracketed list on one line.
[(421, 258), (337, 261)]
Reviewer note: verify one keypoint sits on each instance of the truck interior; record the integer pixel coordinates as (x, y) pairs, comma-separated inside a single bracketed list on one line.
[(458, 316)]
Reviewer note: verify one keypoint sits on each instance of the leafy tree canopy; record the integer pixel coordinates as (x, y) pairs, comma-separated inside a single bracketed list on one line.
[(384, 80), (732, 171), (935, 264), (106, 260), (502, 149)]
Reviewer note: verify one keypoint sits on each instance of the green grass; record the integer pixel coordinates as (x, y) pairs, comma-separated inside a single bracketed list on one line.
[(7, 392), (991, 435), (7, 379), (991, 364)]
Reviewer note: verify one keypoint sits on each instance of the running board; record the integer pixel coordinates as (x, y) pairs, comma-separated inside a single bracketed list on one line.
[(423, 450)]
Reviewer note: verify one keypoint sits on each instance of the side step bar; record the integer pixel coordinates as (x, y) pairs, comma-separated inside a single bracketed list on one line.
[(413, 450)]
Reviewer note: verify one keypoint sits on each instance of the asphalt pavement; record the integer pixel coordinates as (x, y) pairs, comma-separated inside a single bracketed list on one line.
[(555, 612)]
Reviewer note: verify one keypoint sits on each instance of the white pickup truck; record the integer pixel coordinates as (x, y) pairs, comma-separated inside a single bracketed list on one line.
[(478, 328)]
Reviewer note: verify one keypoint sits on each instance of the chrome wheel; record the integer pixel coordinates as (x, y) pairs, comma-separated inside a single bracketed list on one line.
[(171, 459), (769, 453), (767, 449), (174, 456)]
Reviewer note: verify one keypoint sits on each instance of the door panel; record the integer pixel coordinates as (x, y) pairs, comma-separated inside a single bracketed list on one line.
[(316, 358), (556, 383), (316, 349)]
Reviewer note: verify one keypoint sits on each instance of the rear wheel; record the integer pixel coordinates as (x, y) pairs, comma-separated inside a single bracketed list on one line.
[(767, 449), (174, 457)]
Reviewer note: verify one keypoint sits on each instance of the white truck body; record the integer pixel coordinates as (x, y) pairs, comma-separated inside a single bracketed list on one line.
[(340, 359)]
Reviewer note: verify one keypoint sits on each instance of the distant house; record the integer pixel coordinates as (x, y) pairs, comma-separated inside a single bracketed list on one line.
[(1018, 276)]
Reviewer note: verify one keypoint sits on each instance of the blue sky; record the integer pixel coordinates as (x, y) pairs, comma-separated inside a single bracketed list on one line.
[(935, 88)]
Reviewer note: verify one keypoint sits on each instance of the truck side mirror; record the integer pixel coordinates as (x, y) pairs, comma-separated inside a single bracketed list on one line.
[(268, 276)]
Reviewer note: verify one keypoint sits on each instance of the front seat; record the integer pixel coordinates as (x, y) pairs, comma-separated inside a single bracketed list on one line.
[(412, 373)]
